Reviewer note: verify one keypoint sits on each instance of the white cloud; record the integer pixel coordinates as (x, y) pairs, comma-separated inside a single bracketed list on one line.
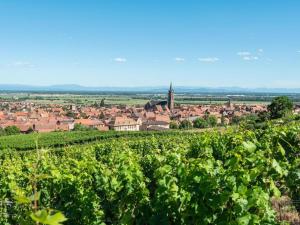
[(120, 60), (179, 59), (243, 53), (209, 59), (21, 64), (250, 58), (247, 56)]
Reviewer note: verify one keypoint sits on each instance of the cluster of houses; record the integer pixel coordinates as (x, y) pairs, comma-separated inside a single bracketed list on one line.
[(155, 115), (31, 117)]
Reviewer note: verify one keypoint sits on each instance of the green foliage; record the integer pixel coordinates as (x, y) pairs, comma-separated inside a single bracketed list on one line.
[(174, 125), (251, 121), (11, 130), (200, 123), (2, 132), (207, 121), (80, 127), (102, 103), (62, 139), (236, 119), (50, 218), (83, 115), (101, 116), (30, 130), (185, 124), (212, 121), (293, 181), (184, 178), (71, 114), (30, 204), (263, 116), (280, 107), (43, 216)]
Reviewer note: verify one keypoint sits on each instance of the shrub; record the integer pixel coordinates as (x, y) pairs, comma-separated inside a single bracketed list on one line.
[(200, 123), (186, 124)]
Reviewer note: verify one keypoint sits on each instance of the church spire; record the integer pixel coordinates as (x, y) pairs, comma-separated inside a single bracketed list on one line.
[(171, 87), (171, 98)]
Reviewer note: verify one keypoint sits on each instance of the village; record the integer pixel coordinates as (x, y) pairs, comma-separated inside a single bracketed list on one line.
[(154, 116)]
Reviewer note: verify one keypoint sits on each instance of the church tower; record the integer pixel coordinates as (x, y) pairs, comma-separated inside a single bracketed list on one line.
[(171, 98)]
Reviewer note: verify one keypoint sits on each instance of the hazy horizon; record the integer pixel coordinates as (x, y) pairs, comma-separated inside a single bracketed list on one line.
[(143, 89), (142, 86)]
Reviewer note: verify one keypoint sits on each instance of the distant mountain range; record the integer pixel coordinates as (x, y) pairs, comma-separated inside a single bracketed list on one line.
[(158, 89)]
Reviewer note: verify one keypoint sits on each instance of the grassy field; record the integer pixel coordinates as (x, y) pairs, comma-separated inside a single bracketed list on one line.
[(136, 98)]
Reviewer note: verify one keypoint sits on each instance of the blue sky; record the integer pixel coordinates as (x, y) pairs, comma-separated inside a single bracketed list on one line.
[(150, 42)]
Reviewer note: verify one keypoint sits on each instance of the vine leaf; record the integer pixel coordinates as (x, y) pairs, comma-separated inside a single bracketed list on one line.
[(45, 217)]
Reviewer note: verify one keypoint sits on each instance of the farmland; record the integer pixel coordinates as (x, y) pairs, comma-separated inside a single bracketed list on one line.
[(133, 98)]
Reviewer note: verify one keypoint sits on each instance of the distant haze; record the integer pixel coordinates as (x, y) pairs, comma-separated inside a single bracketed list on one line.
[(158, 89)]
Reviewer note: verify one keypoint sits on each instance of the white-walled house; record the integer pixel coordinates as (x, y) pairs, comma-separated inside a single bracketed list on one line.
[(121, 123)]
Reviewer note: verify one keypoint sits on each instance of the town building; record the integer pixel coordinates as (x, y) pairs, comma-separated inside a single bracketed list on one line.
[(171, 98), (122, 123), (155, 125), (162, 105), (92, 123)]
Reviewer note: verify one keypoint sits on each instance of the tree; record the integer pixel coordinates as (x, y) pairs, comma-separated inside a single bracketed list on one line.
[(84, 115), (30, 130), (11, 130), (280, 107), (200, 123), (251, 118), (264, 116), (2, 132), (206, 114), (174, 125), (101, 116), (223, 120), (70, 114), (212, 121), (249, 122), (80, 127), (96, 105), (185, 124), (102, 103), (236, 119)]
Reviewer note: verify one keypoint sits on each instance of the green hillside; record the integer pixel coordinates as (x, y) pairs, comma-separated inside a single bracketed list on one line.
[(185, 178)]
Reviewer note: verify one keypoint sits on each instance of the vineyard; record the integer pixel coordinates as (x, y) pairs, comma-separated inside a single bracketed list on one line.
[(64, 139), (171, 178)]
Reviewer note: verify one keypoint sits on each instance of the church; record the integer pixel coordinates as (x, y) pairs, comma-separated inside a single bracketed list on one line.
[(162, 105)]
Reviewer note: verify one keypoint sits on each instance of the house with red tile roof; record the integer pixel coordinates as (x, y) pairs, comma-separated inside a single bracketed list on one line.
[(92, 123)]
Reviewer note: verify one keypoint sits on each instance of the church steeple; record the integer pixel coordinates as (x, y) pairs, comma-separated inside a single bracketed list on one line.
[(171, 98), (171, 87)]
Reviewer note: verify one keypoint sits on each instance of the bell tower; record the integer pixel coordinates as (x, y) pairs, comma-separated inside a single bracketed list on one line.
[(171, 98)]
